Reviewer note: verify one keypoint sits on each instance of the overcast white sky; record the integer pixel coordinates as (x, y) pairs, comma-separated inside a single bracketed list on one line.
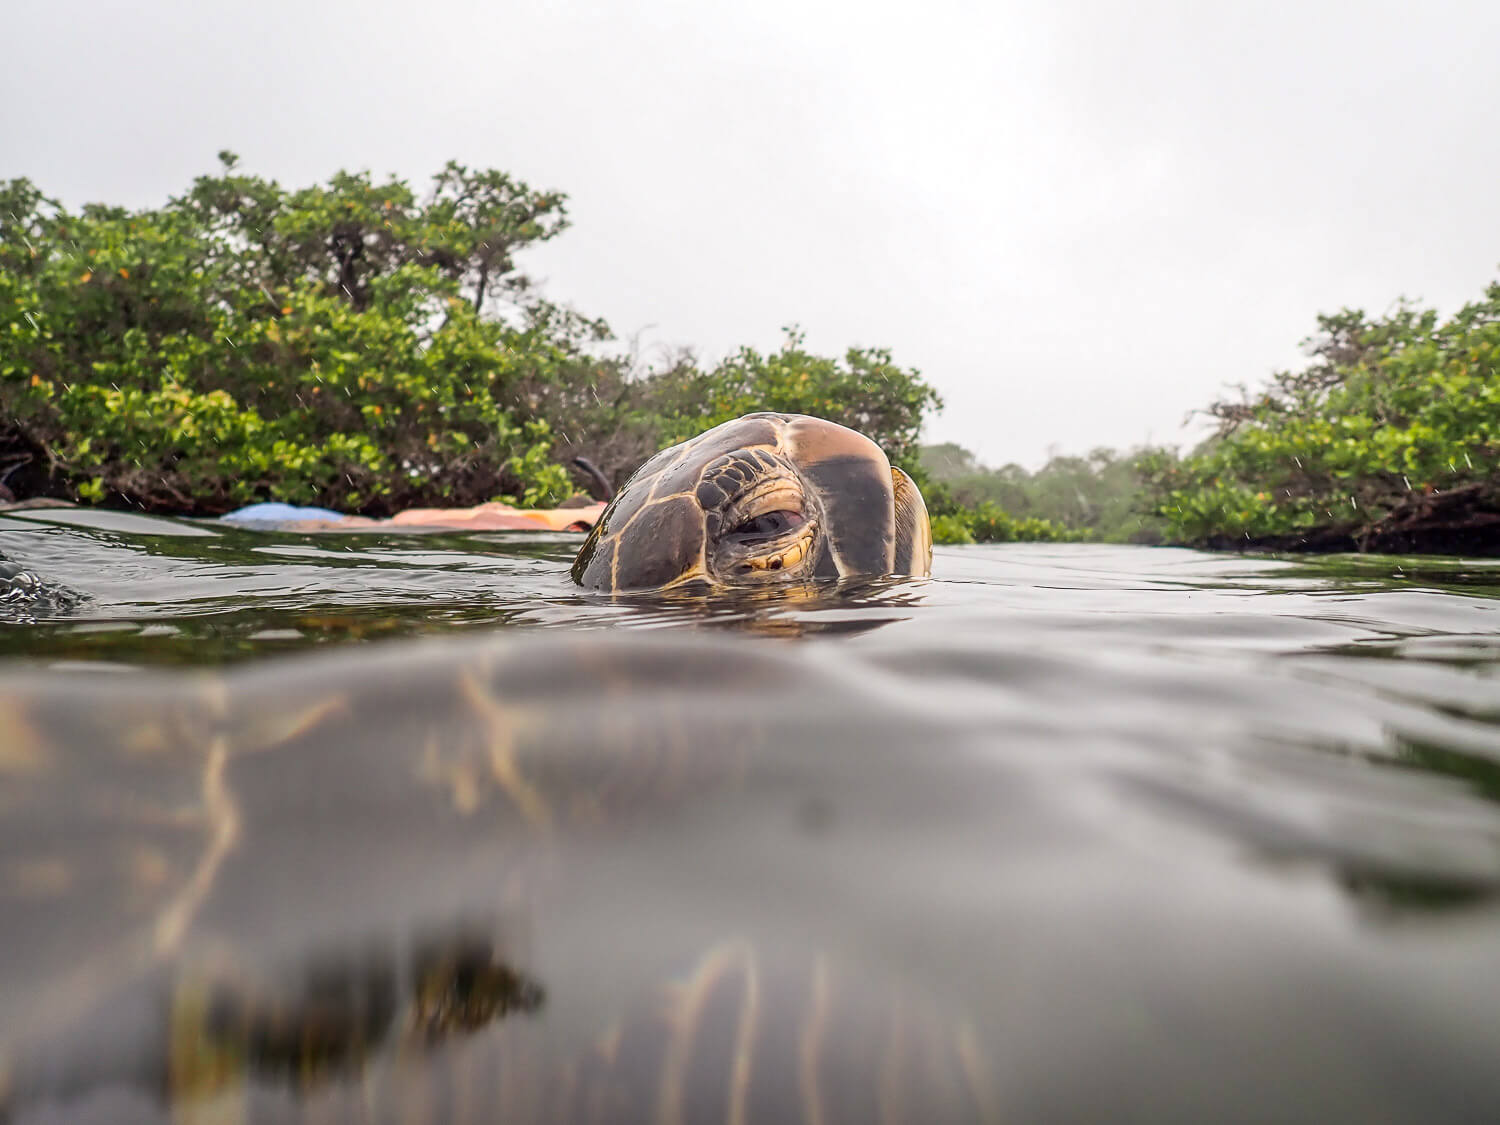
[(1078, 220)]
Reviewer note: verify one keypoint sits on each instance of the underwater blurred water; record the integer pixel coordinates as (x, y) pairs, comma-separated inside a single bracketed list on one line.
[(1179, 836)]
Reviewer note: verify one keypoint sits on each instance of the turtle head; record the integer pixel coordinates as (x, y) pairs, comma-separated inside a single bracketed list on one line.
[(764, 499)]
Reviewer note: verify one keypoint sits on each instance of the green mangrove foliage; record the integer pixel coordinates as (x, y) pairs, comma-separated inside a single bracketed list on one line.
[(1389, 439), (957, 517), (354, 345), (617, 413), (245, 341), (865, 391), (986, 523), (366, 347)]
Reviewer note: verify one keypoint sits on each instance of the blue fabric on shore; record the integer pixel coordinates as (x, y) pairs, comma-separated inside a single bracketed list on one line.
[(279, 513)]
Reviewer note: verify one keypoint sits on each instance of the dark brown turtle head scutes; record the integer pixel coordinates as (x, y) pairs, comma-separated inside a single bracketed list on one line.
[(764, 499)]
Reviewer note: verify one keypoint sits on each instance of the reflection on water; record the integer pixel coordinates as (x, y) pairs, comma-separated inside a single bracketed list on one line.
[(1220, 834), (227, 1029), (333, 1013)]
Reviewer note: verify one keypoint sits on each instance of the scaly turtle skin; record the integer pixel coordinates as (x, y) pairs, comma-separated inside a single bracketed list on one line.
[(424, 884), (765, 498)]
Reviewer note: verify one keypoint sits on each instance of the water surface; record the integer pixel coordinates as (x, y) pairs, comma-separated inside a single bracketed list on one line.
[(1166, 835)]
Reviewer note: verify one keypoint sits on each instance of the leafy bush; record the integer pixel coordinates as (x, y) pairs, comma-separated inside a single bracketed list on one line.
[(864, 391), (990, 524), (951, 528), (954, 523), (1391, 413), (617, 414), (244, 342)]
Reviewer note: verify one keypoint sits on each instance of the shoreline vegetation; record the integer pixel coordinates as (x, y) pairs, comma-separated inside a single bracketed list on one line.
[(366, 346)]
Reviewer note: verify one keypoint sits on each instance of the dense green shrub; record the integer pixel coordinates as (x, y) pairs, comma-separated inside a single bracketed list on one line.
[(988, 524), (954, 522), (864, 391), (617, 412), (321, 346), (1391, 413), (991, 524), (949, 528)]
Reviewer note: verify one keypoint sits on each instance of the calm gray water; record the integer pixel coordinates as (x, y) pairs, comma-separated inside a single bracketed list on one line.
[(1147, 834)]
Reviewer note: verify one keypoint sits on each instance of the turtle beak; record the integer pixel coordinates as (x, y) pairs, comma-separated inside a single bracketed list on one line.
[(852, 479)]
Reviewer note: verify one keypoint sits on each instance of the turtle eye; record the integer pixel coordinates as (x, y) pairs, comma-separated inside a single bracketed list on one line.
[(768, 525)]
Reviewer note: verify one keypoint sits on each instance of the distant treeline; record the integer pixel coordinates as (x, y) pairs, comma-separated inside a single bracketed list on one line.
[(1097, 496), (366, 346)]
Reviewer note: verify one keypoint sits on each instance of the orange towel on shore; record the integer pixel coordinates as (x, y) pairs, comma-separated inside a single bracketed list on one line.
[(486, 517)]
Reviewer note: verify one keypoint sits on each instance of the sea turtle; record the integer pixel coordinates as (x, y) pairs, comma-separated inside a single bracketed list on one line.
[(776, 498), (422, 883)]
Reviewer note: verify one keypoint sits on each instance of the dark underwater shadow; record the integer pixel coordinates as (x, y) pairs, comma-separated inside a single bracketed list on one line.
[(299, 1029)]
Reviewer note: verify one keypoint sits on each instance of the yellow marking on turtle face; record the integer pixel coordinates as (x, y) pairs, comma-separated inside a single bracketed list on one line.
[(22, 749), (683, 448), (790, 557), (686, 448), (693, 574), (504, 724), (913, 529), (42, 877), (685, 1011), (650, 503), (810, 1043), (768, 494), (223, 832)]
